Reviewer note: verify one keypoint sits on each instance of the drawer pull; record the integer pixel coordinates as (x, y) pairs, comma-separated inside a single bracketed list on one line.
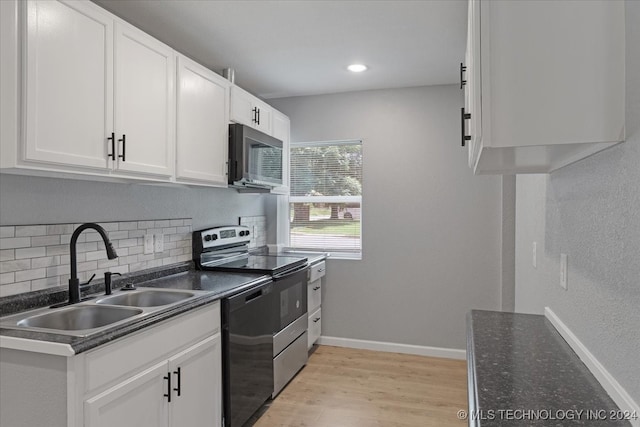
[(316, 288), (316, 320)]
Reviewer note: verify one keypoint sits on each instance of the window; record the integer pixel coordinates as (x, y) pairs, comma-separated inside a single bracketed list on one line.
[(325, 202)]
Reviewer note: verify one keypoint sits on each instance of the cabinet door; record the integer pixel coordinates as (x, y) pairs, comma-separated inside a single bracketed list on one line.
[(241, 107), (314, 327), (473, 87), (249, 110), (202, 124), (138, 401), (68, 84), (264, 116), (144, 102), (196, 373)]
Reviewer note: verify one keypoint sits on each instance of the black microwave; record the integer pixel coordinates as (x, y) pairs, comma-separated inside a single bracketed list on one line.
[(255, 158)]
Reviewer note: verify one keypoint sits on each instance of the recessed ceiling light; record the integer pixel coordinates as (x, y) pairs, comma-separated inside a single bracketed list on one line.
[(357, 68)]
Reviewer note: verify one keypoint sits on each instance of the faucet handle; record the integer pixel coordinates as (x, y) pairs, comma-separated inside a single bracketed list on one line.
[(89, 281)]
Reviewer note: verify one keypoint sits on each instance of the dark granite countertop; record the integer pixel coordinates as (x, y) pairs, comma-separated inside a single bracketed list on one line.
[(312, 257), (217, 284), (523, 373)]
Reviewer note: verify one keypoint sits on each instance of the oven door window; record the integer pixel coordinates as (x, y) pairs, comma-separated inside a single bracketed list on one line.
[(293, 297)]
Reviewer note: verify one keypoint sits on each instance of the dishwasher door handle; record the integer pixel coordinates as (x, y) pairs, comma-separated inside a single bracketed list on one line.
[(253, 296)]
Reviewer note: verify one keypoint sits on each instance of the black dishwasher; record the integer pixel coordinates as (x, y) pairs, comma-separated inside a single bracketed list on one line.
[(248, 322)]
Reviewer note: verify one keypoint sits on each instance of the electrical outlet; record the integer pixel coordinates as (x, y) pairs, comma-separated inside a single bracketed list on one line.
[(563, 271), (534, 261), (148, 243), (159, 245)]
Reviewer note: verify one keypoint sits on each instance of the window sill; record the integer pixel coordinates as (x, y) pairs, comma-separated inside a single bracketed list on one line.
[(330, 255)]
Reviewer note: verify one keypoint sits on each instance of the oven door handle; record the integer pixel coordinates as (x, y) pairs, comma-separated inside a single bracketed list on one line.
[(291, 272)]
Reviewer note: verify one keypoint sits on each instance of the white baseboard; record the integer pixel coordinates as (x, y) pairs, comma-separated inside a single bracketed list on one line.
[(608, 382), (449, 353)]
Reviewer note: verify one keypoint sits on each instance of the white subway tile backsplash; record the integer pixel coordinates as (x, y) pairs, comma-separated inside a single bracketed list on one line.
[(7, 278), (48, 261), (24, 275), (30, 253), (6, 232), (34, 257), (31, 230), (15, 242), (7, 255), (16, 265), (46, 240)]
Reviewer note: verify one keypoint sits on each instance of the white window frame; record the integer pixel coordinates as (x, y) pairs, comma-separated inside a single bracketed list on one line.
[(284, 201)]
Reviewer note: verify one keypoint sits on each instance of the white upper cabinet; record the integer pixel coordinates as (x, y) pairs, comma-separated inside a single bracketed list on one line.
[(545, 83), (249, 110), (202, 124), (144, 102), (68, 84), (98, 94)]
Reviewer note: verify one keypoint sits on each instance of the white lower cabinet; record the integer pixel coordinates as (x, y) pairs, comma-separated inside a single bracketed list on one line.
[(314, 301), (176, 392), (137, 401), (167, 375), (314, 327)]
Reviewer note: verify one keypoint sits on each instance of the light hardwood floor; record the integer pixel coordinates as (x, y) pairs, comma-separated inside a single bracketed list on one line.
[(343, 387)]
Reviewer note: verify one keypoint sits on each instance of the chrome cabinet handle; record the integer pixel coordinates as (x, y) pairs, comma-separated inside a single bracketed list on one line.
[(463, 68), (316, 288), (316, 320)]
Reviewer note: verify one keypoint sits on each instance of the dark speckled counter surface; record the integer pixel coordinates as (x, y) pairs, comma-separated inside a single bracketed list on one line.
[(523, 373), (217, 284)]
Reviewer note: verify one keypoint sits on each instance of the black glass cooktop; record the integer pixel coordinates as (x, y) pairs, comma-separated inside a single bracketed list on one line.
[(265, 264)]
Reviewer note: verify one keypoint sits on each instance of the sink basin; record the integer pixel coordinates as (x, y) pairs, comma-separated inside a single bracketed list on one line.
[(146, 298), (79, 318)]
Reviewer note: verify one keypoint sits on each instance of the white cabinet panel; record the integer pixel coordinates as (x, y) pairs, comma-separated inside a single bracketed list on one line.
[(315, 327), (202, 124), (249, 110), (546, 83), (138, 401), (69, 109), (144, 102), (199, 374), (314, 295)]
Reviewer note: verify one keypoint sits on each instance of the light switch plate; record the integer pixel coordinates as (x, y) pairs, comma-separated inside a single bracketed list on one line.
[(563, 271), (148, 243)]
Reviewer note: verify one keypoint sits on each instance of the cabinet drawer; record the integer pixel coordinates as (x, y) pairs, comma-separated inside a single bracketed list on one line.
[(135, 352), (314, 328), (314, 295), (317, 271)]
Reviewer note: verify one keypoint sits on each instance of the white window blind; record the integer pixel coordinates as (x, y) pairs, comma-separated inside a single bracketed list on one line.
[(325, 202)]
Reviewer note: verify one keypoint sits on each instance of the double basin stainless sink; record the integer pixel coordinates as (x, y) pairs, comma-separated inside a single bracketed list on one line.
[(89, 317)]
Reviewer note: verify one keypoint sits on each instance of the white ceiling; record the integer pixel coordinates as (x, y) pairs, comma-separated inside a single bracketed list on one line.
[(293, 48)]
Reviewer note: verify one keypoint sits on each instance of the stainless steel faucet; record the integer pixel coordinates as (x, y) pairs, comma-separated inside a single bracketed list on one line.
[(74, 283)]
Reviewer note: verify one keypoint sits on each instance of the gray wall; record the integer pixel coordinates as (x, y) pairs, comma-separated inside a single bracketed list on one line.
[(591, 211), (431, 230), (35, 200)]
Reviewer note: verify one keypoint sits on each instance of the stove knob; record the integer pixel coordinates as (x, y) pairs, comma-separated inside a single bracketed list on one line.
[(214, 237), (207, 238), (246, 233), (241, 233)]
